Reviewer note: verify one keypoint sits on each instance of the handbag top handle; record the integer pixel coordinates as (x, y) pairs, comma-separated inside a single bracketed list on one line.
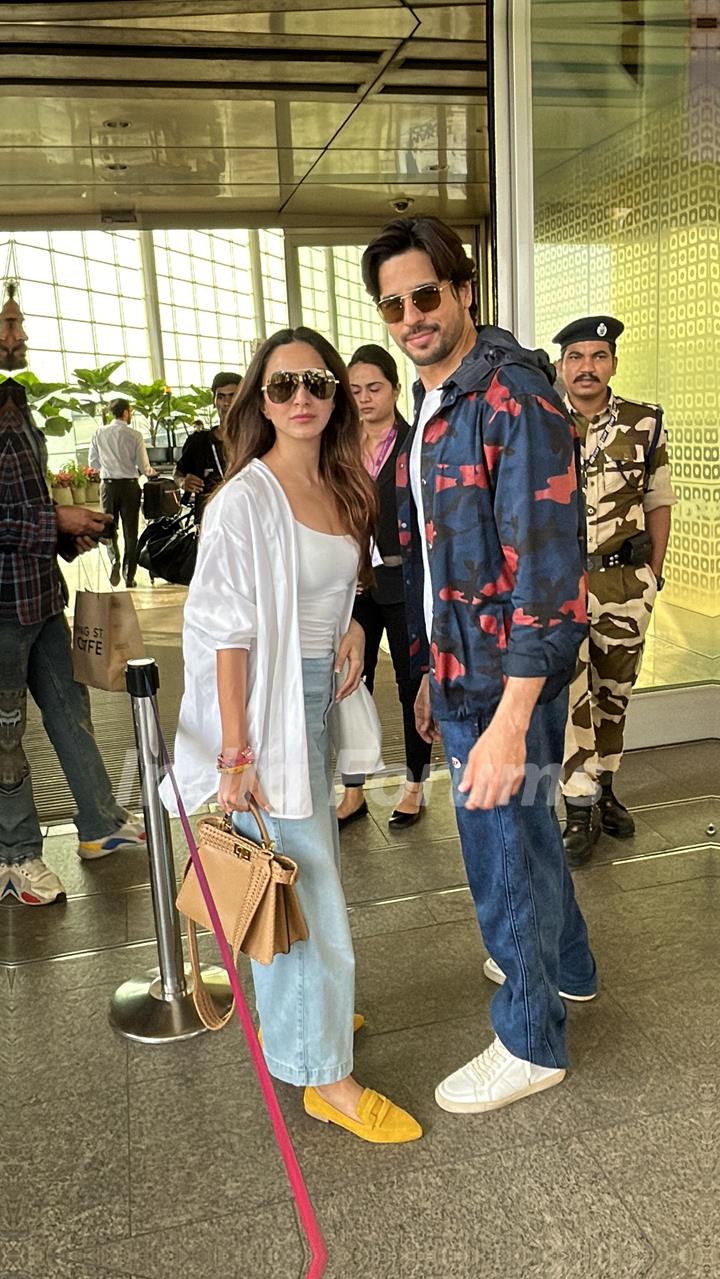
[(257, 814)]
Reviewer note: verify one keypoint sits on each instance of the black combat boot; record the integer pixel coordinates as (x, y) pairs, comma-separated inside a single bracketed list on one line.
[(614, 817), (581, 834)]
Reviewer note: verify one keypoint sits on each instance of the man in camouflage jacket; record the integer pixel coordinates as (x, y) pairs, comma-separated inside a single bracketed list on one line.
[(628, 497), (495, 592)]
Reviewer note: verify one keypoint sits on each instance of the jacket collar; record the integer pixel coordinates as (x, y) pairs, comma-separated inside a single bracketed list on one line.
[(492, 346)]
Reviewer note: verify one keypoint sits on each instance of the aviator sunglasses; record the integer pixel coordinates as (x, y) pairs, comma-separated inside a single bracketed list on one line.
[(426, 298), (282, 385)]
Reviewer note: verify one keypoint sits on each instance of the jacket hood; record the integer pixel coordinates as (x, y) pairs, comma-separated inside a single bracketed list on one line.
[(493, 348), (498, 346)]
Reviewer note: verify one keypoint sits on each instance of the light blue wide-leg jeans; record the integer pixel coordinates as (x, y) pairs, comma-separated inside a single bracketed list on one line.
[(305, 999)]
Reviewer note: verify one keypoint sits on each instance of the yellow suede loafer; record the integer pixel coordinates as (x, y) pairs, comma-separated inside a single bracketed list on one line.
[(358, 1021), (379, 1120)]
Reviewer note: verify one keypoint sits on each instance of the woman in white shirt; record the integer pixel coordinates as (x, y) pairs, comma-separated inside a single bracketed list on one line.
[(267, 628)]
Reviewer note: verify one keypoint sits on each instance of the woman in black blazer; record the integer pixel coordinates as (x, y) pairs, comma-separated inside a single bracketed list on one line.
[(375, 385)]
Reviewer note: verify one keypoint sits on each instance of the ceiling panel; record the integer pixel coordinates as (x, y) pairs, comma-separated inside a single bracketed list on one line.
[(291, 108), (396, 23), (455, 201)]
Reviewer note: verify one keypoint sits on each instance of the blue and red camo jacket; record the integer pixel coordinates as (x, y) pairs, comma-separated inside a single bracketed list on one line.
[(503, 524)]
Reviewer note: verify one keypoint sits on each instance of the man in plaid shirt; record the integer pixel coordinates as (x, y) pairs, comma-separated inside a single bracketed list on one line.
[(35, 651)]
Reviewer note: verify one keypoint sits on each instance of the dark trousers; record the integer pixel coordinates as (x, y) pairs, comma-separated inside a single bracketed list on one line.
[(374, 619), (121, 499)]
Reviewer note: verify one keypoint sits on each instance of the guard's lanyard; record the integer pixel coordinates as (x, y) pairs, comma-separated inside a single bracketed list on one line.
[(588, 461), (379, 461)]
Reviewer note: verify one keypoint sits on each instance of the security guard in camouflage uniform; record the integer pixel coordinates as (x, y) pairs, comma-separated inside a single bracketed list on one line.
[(628, 496)]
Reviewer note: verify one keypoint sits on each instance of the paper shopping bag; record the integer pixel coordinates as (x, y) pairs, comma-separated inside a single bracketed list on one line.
[(106, 636)]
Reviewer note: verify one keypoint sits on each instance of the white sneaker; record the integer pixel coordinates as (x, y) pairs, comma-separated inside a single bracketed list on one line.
[(34, 883), (129, 835), (495, 973), (492, 1080), (5, 881)]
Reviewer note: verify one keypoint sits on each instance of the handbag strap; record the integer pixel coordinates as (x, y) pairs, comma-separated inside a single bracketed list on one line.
[(207, 1009)]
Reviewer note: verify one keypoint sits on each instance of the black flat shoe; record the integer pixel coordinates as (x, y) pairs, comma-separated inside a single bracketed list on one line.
[(398, 820), (353, 817)]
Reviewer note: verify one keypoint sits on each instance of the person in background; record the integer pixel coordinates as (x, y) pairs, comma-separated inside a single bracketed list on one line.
[(201, 465), (490, 528), (35, 651), (268, 627), (381, 608), (628, 502), (118, 452)]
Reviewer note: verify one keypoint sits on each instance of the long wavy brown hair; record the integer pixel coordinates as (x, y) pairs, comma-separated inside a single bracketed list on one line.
[(249, 434)]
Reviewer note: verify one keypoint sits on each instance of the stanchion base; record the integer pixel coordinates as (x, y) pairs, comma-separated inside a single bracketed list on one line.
[(139, 1012)]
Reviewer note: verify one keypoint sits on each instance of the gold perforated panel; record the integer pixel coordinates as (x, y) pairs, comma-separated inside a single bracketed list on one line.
[(632, 227)]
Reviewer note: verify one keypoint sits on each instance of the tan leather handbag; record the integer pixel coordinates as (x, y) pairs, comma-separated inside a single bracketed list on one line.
[(254, 892)]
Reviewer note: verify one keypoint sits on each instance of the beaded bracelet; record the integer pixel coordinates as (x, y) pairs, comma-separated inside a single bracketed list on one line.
[(235, 762)]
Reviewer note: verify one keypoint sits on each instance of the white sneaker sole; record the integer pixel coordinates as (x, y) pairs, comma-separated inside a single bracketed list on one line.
[(499, 979), (480, 1107), (31, 897)]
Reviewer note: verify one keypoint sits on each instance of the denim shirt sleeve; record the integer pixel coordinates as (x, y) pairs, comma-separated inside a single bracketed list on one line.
[(530, 444)]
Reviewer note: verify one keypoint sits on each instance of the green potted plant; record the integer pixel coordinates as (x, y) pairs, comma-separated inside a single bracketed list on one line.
[(61, 487), (78, 482), (153, 402), (94, 392), (48, 402)]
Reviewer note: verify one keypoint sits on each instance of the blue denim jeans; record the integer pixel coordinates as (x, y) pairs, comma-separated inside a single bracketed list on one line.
[(523, 891), (305, 999), (39, 658)]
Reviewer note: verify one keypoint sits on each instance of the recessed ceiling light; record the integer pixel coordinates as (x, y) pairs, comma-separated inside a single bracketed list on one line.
[(116, 168), (116, 124)]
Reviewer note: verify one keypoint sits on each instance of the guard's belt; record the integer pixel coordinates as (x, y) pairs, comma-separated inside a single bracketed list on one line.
[(634, 550), (596, 562)]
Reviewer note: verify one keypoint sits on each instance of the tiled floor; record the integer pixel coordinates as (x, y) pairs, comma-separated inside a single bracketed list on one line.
[(151, 1163)]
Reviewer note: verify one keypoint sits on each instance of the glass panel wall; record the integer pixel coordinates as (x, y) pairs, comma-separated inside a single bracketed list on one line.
[(627, 222), (218, 292), (82, 294), (207, 310)]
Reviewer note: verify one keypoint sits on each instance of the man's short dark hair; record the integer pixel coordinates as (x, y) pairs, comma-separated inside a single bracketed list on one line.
[(225, 379), (377, 355), (118, 407), (428, 234)]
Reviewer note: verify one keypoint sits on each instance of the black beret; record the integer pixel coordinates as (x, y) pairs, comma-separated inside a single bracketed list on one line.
[(589, 328)]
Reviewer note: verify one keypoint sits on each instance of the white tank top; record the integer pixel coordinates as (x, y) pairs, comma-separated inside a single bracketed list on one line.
[(328, 566)]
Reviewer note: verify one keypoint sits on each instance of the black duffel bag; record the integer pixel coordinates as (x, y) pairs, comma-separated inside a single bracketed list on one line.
[(160, 496), (168, 548)]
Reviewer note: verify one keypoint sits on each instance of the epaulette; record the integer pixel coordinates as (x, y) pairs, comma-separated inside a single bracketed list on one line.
[(653, 409)]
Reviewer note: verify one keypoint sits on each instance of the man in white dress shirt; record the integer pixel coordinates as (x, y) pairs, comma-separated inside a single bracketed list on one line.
[(118, 452)]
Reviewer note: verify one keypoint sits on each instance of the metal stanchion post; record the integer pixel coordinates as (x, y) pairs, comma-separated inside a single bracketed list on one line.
[(159, 1007)]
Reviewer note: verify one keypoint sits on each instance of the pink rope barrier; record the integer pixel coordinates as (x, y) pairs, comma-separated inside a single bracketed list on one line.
[(308, 1218)]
